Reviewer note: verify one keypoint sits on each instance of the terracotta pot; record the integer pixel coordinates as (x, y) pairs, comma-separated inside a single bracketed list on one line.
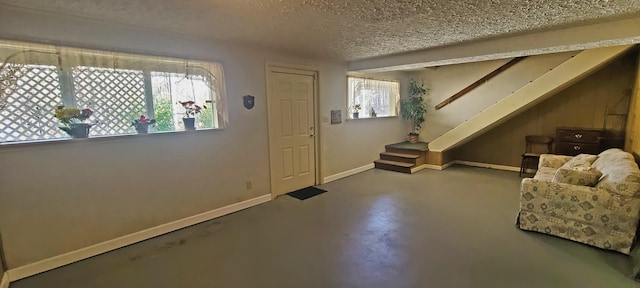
[(413, 138)]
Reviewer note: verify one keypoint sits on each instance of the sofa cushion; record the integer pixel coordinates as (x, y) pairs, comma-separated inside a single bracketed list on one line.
[(553, 161), (620, 173), (581, 160), (545, 174), (577, 176)]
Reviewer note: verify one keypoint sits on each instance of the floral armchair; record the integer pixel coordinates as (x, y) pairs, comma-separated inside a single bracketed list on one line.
[(604, 215)]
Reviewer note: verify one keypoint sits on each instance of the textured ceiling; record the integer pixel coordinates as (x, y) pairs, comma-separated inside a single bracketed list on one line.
[(344, 29)]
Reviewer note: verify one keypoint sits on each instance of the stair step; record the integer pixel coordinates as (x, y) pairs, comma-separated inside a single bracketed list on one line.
[(395, 163), (390, 165), (401, 155), (402, 151)]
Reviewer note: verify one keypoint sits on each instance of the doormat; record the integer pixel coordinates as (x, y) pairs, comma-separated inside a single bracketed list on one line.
[(306, 193)]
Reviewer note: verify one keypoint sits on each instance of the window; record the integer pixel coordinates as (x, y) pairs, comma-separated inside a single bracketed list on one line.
[(375, 98), (118, 88)]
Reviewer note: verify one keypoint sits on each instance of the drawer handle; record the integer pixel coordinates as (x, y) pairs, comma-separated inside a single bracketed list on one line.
[(578, 135), (577, 148)]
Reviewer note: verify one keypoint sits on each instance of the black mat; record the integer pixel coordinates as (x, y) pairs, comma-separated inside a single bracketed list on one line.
[(306, 193)]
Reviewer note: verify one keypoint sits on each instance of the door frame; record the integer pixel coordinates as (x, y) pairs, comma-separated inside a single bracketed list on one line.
[(299, 70)]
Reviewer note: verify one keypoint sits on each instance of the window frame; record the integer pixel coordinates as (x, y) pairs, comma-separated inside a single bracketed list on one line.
[(69, 98), (348, 100)]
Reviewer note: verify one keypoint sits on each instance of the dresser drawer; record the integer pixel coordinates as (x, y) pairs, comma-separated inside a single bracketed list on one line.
[(575, 148), (577, 135)]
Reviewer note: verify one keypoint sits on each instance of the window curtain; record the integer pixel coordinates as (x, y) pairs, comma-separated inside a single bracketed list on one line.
[(370, 93), (67, 59)]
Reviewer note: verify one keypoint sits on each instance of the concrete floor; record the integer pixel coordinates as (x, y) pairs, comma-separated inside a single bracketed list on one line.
[(452, 228)]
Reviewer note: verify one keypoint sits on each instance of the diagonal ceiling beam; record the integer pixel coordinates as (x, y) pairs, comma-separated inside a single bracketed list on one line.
[(615, 33)]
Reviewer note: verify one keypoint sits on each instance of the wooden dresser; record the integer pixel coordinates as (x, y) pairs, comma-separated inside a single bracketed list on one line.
[(574, 141)]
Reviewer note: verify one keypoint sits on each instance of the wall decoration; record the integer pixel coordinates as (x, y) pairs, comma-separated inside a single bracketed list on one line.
[(336, 116), (248, 101)]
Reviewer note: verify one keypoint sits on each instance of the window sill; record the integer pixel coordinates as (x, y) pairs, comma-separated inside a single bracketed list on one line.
[(370, 118), (97, 139)]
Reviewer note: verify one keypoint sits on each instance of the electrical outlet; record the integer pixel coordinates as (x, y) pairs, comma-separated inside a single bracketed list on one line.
[(248, 185)]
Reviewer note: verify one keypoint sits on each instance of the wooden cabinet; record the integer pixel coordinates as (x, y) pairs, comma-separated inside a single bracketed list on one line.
[(574, 141)]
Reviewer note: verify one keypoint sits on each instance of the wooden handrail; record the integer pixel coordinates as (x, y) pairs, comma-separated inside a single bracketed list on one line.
[(486, 78)]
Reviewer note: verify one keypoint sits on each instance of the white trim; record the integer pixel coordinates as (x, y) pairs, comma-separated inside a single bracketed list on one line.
[(470, 163), (84, 253), (490, 166), (348, 173), (493, 166), (4, 283), (447, 165), (418, 168), (426, 166), (433, 167)]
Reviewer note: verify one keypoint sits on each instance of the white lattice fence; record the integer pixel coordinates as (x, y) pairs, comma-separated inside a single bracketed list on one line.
[(29, 113), (115, 95)]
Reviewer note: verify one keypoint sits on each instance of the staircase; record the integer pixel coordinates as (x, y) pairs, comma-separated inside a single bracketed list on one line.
[(403, 157), (558, 78)]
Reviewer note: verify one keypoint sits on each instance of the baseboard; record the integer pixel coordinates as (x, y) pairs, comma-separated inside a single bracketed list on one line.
[(4, 283), (449, 164), (427, 166), (84, 253), (433, 167), (492, 166), (348, 173), (418, 168)]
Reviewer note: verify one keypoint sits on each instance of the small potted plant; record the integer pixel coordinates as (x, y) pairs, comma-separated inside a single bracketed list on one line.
[(142, 124), (372, 113), (413, 108), (74, 121), (356, 111), (190, 111)]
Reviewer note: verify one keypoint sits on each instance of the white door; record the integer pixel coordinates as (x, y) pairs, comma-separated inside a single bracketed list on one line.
[(291, 130)]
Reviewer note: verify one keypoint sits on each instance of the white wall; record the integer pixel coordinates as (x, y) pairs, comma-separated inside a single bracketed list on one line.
[(59, 197), (444, 81)]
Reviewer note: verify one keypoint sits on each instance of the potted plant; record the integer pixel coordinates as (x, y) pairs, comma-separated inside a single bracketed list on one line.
[(74, 121), (142, 124), (190, 111), (413, 108), (356, 111)]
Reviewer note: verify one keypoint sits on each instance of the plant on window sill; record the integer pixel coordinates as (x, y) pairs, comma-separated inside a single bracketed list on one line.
[(75, 121), (356, 111), (190, 111), (142, 124)]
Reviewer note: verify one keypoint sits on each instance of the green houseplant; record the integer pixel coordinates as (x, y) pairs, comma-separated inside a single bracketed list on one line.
[(413, 108)]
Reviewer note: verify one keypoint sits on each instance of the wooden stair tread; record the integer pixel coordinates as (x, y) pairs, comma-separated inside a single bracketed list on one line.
[(418, 147), (394, 163), (401, 155)]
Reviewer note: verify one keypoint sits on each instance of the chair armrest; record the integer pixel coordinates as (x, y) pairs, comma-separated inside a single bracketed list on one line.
[(580, 203), (553, 161)]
